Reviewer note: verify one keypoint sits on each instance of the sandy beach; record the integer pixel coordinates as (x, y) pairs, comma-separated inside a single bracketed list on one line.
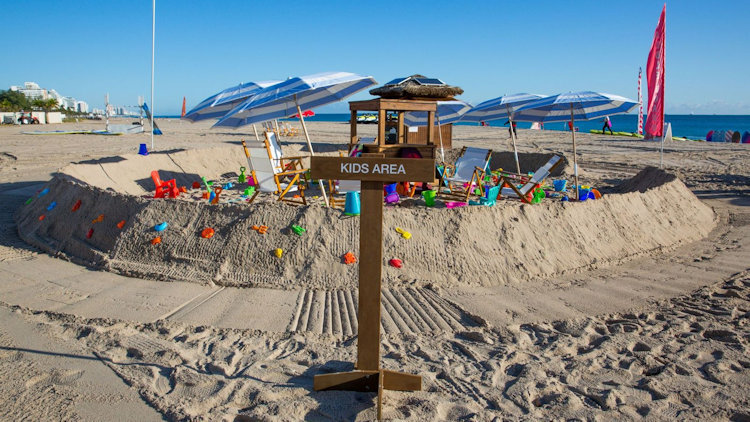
[(629, 307)]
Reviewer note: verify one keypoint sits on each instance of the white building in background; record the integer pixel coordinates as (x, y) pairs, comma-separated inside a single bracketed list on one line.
[(32, 91), (68, 103)]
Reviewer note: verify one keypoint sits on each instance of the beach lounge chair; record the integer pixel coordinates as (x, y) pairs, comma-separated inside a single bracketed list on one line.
[(269, 180), (460, 178), (168, 187), (280, 162), (288, 130), (523, 192)]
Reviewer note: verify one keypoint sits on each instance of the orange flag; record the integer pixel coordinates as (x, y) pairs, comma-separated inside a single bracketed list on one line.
[(183, 107)]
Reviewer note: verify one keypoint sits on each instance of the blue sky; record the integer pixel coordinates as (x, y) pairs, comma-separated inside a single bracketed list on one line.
[(85, 49)]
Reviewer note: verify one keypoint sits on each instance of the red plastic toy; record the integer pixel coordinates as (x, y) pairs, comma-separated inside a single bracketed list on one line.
[(163, 188)]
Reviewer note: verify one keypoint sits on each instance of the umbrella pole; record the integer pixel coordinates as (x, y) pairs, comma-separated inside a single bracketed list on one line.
[(513, 140), (255, 129), (575, 158), (440, 136), (309, 145)]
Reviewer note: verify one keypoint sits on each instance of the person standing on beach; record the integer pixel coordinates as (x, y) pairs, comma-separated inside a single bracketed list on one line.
[(607, 125)]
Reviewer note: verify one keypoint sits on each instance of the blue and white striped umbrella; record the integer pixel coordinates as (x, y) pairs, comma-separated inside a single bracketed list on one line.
[(294, 95), (501, 108), (286, 98), (498, 108), (583, 105), (447, 112), (217, 105)]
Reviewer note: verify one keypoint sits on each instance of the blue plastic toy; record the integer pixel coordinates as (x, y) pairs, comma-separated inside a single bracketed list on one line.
[(352, 203), (43, 192), (227, 186), (51, 206), (161, 226)]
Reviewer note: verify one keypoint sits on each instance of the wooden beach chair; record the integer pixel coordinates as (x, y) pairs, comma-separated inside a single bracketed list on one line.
[(469, 170), (281, 162), (288, 129), (269, 180), (523, 192)]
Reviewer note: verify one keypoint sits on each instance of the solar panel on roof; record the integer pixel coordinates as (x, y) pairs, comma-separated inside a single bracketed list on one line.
[(429, 81), (397, 81)]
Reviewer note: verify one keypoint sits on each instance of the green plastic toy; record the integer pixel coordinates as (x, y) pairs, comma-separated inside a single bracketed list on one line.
[(538, 196), (208, 185), (249, 191), (298, 230), (242, 178)]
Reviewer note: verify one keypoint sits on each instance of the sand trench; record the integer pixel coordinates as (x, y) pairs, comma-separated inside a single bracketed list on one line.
[(507, 243)]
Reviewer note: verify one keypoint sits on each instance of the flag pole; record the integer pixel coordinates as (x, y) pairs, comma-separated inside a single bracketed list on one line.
[(153, 43)]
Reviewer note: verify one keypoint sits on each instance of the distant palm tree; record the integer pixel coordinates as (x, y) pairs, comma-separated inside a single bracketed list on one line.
[(46, 105)]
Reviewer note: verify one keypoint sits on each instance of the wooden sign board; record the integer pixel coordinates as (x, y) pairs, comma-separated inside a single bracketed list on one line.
[(373, 172), (373, 169)]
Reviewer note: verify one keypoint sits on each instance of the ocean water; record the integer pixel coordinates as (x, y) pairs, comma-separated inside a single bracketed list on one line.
[(688, 126), (683, 125)]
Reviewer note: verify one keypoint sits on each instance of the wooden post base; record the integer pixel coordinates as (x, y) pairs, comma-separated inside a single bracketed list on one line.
[(368, 381)]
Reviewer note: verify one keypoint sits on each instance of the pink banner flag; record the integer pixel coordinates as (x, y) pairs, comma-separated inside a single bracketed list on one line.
[(640, 103), (655, 79)]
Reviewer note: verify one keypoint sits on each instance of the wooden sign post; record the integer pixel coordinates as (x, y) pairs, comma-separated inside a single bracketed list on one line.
[(373, 171)]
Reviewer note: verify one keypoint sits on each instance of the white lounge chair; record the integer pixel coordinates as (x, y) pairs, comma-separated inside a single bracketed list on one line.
[(269, 180), (542, 173), (281, 162), (468, 170)]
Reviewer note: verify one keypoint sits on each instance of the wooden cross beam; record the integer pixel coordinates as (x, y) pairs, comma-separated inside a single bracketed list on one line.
[(373, 170)]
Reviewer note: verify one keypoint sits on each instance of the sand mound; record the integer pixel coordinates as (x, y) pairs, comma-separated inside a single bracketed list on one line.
[(507, 243)]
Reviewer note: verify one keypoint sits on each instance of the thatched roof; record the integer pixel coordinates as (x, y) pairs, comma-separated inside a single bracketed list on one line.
[(417, 86)]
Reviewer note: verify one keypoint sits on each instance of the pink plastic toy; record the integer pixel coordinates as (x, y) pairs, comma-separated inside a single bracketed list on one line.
[(455, 204)]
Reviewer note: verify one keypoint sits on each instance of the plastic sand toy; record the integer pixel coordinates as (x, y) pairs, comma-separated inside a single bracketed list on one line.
[(121, 224), (51, 206), (349, 258), (298, 230), (242, 178), (278, 252), (405, 234), (207, 233), (395, 262), (260, 229), (76, 206), (98, 219), (156, 240), (161, 226)]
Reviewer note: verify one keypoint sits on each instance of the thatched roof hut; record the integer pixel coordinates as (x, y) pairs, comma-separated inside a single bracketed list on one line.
[(417, 87)]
